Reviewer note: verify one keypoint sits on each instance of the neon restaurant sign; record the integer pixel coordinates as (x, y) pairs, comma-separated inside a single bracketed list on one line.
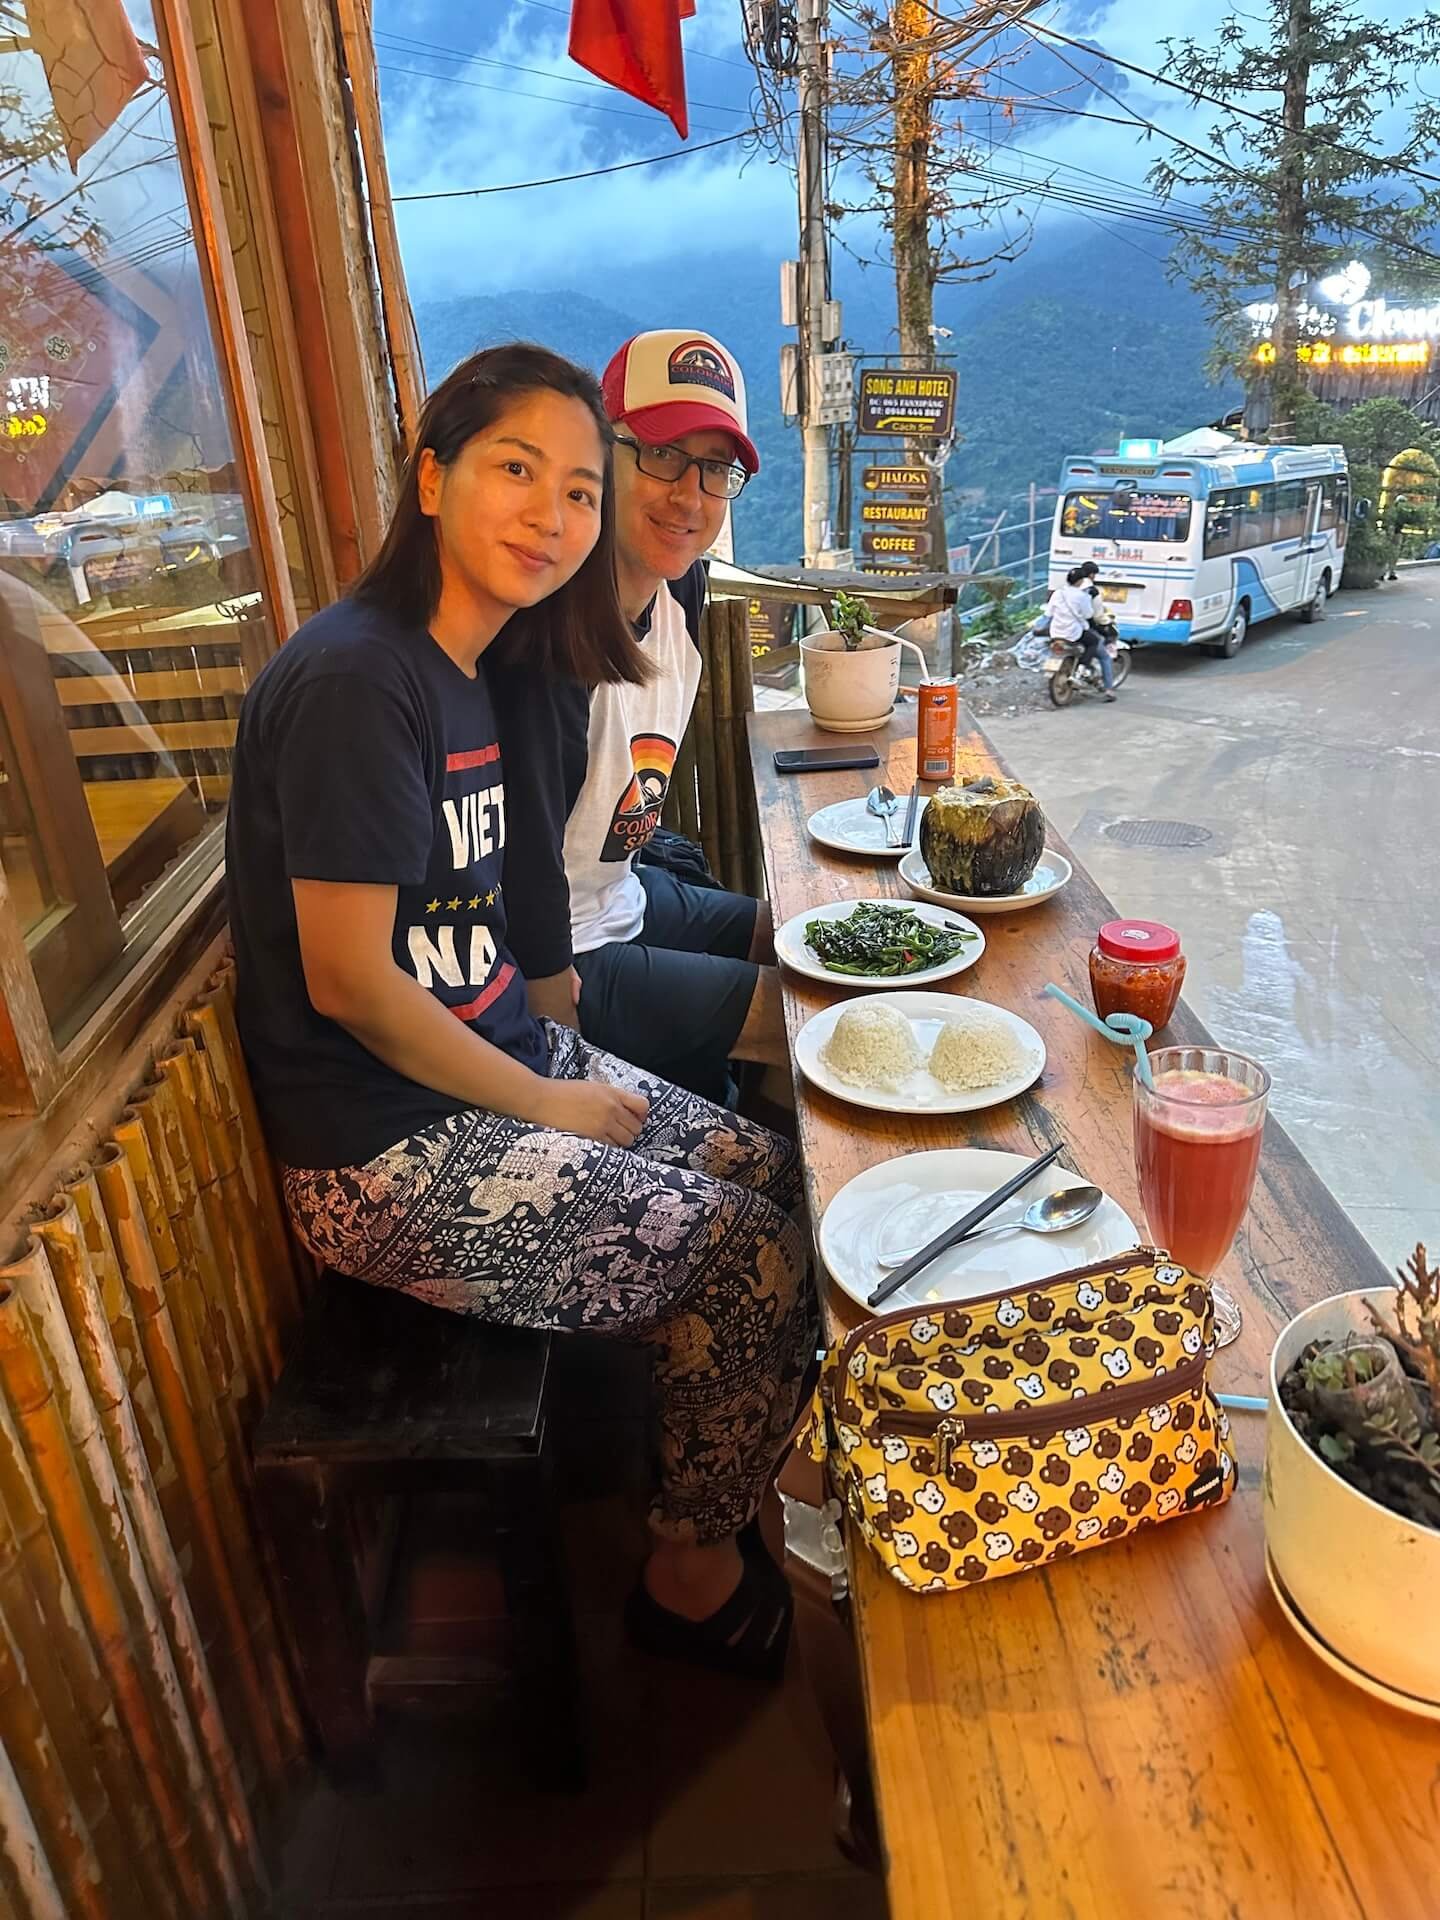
[(1344, 324)]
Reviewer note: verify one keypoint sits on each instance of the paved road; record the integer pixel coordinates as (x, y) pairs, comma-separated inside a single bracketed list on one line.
[(1311, 916)]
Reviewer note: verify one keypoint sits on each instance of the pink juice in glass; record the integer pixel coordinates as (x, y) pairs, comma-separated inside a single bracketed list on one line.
[(1197, 1147)]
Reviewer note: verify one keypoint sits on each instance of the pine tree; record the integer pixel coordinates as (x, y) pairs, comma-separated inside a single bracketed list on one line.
[(1318, 155)]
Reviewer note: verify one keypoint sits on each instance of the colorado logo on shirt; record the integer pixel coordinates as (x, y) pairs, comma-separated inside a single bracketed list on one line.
[(637, 813)]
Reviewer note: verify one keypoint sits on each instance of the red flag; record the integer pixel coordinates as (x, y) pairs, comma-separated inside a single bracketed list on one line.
[(635, 45), (92, 62)]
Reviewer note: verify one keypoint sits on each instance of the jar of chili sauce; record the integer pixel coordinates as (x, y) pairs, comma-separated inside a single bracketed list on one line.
[(1136, 966)]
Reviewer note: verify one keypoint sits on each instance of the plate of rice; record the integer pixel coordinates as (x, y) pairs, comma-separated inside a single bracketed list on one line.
[(920, 1053), (1045, 882), (904, 1202)]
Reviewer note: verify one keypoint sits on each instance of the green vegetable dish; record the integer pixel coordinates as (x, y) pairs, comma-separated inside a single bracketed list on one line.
[(885, 942)]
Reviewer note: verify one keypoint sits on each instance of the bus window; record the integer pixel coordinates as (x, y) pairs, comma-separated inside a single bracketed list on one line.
[(1290, 511), (1161, 517), (1342, 508), (1257, 517), (1222, 524)]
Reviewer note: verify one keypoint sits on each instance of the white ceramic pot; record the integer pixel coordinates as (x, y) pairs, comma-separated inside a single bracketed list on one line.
[(1365, 1579), (850, 692)]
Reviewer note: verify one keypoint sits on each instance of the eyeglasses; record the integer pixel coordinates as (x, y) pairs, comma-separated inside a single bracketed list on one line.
[(719, 478)]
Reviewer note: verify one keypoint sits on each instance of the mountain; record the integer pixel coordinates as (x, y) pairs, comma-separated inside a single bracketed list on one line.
[(1080, 341)]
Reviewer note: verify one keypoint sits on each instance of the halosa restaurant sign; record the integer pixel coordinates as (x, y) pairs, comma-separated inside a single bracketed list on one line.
[(1344, 324)]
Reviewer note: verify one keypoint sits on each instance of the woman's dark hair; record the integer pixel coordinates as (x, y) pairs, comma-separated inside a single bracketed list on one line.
[(1090, 569), (579, 630), (1076, 575)]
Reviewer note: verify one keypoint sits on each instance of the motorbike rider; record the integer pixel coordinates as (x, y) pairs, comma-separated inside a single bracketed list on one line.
[(1071, 613)]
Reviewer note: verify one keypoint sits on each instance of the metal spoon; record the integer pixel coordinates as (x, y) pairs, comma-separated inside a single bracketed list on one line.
[(883, 804), (1053, 1213)]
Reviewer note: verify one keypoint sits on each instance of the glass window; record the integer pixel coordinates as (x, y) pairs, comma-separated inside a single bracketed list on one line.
[(1147, 516), (1292, 510), (1223, 515), (131, 609), (1257, 518), (1329, 502)]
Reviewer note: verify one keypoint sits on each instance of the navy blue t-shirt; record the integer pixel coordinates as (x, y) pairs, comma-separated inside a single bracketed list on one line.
[(366, 755)]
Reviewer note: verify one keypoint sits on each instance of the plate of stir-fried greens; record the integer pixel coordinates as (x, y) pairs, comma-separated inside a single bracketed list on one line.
[(871, 942)]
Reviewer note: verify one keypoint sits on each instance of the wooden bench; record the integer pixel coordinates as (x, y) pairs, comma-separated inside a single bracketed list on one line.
[(387, 1396)]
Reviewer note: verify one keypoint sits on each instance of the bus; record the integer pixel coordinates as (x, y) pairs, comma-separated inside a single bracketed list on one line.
[(1198, 538)]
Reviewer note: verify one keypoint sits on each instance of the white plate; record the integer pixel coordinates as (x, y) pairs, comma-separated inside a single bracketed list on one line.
[(1048, 878), (1379, 1689), (849, 827), (921, 1092), (790, 947), (904, 1202)]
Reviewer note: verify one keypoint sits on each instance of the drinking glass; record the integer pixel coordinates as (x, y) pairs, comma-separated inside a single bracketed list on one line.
[(1197, 1147)]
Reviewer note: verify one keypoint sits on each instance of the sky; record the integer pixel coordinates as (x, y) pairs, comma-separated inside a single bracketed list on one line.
[(459, 112)]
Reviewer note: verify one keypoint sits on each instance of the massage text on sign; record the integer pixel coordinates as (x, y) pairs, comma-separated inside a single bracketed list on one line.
[(899, 402), (895, 480), (896, 546), (896, 513)]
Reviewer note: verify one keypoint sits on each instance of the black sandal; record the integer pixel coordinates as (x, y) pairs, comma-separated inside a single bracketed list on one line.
[(746, 1636)]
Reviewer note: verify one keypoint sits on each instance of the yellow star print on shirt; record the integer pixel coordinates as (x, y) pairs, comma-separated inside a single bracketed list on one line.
[(453, 905), (472, 904), (490, 898), (432, 906)]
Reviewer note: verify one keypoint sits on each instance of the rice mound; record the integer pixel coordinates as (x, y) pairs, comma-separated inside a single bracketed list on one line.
[(973, 1049), (871, 1047)]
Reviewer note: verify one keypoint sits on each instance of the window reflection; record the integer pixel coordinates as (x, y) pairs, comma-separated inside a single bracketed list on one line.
[(124, 534)]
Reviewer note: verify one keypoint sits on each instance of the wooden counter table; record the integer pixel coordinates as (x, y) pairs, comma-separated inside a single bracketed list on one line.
[(1137, 1734)]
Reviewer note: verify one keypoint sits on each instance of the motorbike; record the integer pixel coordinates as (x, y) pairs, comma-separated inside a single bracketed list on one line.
[(1068, 673)]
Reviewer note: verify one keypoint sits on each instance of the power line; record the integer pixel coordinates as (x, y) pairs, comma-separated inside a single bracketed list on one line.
[(555, 100), (691, 53), (405, 45), (590, 173), (1210, 160), (1219, 100)]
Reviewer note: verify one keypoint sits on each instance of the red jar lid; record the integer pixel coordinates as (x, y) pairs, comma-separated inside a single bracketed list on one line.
[(1139, 940)]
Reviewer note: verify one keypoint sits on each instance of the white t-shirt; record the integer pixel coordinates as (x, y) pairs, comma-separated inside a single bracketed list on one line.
[(1070, 609), (633, 738)]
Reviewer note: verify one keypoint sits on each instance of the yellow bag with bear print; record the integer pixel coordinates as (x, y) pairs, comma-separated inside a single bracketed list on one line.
[(979, 1438)]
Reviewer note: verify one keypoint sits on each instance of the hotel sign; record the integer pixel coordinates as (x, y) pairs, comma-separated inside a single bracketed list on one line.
[(896, 400), (1344, 323)]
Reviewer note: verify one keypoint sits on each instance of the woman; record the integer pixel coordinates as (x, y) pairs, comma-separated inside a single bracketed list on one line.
[(434, 1136), (1071, 613)]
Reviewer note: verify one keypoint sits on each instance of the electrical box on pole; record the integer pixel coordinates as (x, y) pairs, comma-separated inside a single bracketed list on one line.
[(789, 293)]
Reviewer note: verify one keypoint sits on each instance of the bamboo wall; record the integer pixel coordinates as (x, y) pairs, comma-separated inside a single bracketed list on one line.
[(148, 1726), (712, 797)]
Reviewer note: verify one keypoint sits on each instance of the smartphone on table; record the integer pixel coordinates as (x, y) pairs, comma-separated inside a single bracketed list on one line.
[(824, 759)]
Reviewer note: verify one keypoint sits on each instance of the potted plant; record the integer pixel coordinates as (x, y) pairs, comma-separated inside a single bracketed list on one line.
[(1352, 1478), (851, 669)]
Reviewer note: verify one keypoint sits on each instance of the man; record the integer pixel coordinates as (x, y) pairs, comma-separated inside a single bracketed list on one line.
[(676, 978)]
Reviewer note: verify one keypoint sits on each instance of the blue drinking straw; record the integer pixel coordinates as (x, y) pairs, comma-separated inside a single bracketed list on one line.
[(1125, 1029), (1244, 1402)]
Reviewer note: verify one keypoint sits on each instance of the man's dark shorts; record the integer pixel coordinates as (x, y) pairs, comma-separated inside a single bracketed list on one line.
[(673, 999)]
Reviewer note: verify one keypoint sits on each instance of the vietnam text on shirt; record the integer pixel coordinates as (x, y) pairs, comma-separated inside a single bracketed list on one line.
[(367, 756)]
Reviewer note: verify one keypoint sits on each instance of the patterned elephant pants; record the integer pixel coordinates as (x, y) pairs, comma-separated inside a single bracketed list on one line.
[(685, 1241)]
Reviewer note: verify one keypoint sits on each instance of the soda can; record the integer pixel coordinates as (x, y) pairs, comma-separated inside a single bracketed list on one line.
[(935, 750)]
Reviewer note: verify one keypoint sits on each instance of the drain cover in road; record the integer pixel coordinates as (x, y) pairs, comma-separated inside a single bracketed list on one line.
[(1157, 833)]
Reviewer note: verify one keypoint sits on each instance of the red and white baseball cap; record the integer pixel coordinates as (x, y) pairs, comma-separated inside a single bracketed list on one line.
[(663, 384)]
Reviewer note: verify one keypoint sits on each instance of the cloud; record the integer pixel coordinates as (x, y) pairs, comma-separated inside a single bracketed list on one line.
[(475, 124)]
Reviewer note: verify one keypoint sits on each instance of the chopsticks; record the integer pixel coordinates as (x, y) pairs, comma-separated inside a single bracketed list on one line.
[(908, 837), (952, 1235)]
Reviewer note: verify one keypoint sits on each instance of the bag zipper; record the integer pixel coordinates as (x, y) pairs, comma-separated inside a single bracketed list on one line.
[(949, 1429), (1137, 1257)]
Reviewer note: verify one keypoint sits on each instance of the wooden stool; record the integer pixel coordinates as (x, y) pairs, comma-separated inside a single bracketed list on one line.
[(387, 1395)]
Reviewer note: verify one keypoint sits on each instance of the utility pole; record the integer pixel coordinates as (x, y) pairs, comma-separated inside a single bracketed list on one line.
[(1291, 264), (814, 274), (912, 22)]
